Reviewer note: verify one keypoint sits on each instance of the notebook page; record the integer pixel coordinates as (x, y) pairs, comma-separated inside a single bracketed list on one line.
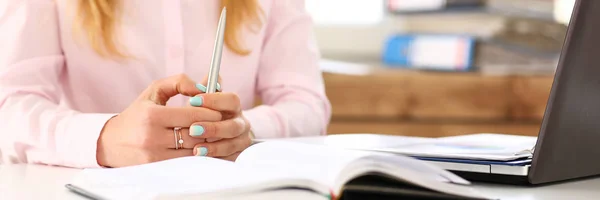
[(325, 163), (176, 176), (315, 162)]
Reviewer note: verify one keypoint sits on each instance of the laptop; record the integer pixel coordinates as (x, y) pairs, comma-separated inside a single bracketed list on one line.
[(568, 144)]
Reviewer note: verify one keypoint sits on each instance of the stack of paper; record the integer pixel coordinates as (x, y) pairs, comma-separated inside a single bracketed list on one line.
[(483, 146), (497, 147)]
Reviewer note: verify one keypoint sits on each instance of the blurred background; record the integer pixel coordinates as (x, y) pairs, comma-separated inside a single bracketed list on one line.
[(439, 67)]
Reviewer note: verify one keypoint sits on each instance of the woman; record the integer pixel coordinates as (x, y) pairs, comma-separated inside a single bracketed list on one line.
[(107, 83)]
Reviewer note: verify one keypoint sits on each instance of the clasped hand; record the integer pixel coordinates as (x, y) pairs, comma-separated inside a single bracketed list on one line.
[(212, 125)]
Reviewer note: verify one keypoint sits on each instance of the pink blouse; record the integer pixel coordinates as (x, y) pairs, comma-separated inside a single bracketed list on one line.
[(56, 94)]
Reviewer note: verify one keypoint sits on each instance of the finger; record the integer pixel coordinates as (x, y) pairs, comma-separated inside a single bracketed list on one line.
[(166, 154), (203, 88), (213, 139), (221, 101), (224, 147), (170, 117), (161, 90), (225, 129), (169, 138), (204, 83), (230, 115)]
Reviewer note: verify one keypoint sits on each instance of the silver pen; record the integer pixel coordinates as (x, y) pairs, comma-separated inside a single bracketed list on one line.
[(215, 63)]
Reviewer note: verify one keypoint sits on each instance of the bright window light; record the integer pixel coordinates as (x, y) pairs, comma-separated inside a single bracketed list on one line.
[(346, 12), (563, 10)]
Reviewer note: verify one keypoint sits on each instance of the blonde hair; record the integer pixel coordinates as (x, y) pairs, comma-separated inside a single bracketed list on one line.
[(99, 20)]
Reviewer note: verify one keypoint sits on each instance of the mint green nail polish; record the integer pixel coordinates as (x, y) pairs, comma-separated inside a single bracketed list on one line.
[(218, 86), (196, 101), (201, 87), (201, 151), (197, 130)]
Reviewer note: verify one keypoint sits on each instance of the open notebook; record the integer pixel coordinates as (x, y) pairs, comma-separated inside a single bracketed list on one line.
[(275, 165)]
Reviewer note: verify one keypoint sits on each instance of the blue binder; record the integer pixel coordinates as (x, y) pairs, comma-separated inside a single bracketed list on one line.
[(430, 51)]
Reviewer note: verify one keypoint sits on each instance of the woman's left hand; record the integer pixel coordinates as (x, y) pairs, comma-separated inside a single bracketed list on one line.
[(233, 132)]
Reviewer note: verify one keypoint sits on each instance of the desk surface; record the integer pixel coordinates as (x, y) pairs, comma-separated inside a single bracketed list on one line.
[(45, 182)]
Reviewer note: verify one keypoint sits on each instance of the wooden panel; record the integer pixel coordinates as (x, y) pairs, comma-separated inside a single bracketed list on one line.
[(458, 96), (419, 95), (367, 96), (530, 96), (371, 99), (433, 129)]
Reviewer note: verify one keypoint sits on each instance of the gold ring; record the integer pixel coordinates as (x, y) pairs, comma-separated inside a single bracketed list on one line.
[(178, 138)]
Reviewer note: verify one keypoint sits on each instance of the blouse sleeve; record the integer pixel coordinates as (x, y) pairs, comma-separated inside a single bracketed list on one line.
[(290, 82), (34, 127)]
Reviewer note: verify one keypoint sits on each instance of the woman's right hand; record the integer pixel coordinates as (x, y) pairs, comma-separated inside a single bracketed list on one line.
[(143, 133)]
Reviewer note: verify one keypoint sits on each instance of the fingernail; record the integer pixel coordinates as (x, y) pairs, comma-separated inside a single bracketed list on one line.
[(197, 130), (202, 87), (196, 101), (201, 151), (218, 87)]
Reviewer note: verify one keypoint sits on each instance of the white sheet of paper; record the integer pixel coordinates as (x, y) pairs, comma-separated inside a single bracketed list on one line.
[(360, 140), (474, 146), (302, 160), (326, 163), (482, 146), (180, 176)]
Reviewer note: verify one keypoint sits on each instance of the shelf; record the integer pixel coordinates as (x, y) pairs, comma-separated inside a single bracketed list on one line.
[(531, 9)]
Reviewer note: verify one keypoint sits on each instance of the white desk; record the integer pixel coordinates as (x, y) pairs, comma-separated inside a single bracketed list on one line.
[(43, 182), (580, 190), (24, 182)]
